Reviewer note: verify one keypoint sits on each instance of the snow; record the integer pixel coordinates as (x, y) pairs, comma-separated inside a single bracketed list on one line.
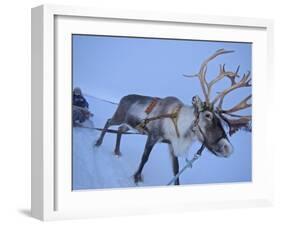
[(98, 167)]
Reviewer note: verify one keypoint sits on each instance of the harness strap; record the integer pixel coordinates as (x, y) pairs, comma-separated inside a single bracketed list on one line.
[(175, 119), (173, 116)]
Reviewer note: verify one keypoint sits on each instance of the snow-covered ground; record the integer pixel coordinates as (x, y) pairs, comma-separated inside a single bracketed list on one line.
[(97, 168)]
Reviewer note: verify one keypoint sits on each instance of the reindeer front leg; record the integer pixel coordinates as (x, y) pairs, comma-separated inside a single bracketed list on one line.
[(150, 142), (175, 163), (176, 169)]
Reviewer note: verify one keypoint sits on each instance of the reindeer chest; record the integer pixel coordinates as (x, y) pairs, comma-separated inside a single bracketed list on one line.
[(182, 143)]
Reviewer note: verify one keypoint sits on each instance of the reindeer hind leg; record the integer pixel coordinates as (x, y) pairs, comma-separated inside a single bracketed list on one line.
[(103, 132), (121, 129), (117, 119)]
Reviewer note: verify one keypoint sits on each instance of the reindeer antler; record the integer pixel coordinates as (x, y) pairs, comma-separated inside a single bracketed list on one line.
[(244, 82), (207, 86), (235, 122)]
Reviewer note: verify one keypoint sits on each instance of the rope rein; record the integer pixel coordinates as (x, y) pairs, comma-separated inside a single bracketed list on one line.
[(188, 164)]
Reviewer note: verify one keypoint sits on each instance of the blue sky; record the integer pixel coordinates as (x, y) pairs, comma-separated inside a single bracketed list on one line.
[(112, 67)]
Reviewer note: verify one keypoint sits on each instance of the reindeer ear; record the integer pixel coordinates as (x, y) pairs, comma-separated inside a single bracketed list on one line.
[(196, 99), (197, 103)]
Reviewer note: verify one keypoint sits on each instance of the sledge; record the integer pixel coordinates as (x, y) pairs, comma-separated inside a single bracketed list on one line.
[(85, 111)]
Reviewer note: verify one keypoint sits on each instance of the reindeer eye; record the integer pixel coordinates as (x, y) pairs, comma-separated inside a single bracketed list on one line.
[(208, 115)]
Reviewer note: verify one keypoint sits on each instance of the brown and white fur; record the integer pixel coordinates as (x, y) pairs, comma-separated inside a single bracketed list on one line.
[(131, 112)]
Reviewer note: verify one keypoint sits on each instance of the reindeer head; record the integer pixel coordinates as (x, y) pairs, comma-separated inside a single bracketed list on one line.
[(210, 114)]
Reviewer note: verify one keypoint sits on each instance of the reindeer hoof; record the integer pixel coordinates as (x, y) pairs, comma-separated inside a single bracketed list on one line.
[(138, 178), (98, 143), (117, 153)]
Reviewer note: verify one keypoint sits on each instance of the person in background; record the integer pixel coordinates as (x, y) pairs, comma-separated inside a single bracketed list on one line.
[(80, 107)]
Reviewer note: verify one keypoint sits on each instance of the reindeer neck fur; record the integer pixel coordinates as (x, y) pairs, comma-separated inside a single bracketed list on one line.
[(185, 121)]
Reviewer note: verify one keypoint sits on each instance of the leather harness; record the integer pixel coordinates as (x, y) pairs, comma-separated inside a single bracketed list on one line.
[(173, 116)]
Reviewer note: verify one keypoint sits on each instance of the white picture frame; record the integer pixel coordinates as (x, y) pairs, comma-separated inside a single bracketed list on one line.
[(51, 197)]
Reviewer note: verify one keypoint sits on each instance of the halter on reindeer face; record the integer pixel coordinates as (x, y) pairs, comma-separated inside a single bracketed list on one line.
[(210, 113)]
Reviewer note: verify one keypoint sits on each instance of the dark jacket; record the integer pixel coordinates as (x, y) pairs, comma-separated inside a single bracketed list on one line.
[(80, 101)]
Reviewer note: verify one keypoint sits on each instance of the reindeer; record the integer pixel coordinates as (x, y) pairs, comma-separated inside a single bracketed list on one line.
[(169, 120)]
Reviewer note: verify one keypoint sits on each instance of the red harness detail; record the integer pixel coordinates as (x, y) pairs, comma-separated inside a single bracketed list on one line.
[(173, 116), (151, 105)]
